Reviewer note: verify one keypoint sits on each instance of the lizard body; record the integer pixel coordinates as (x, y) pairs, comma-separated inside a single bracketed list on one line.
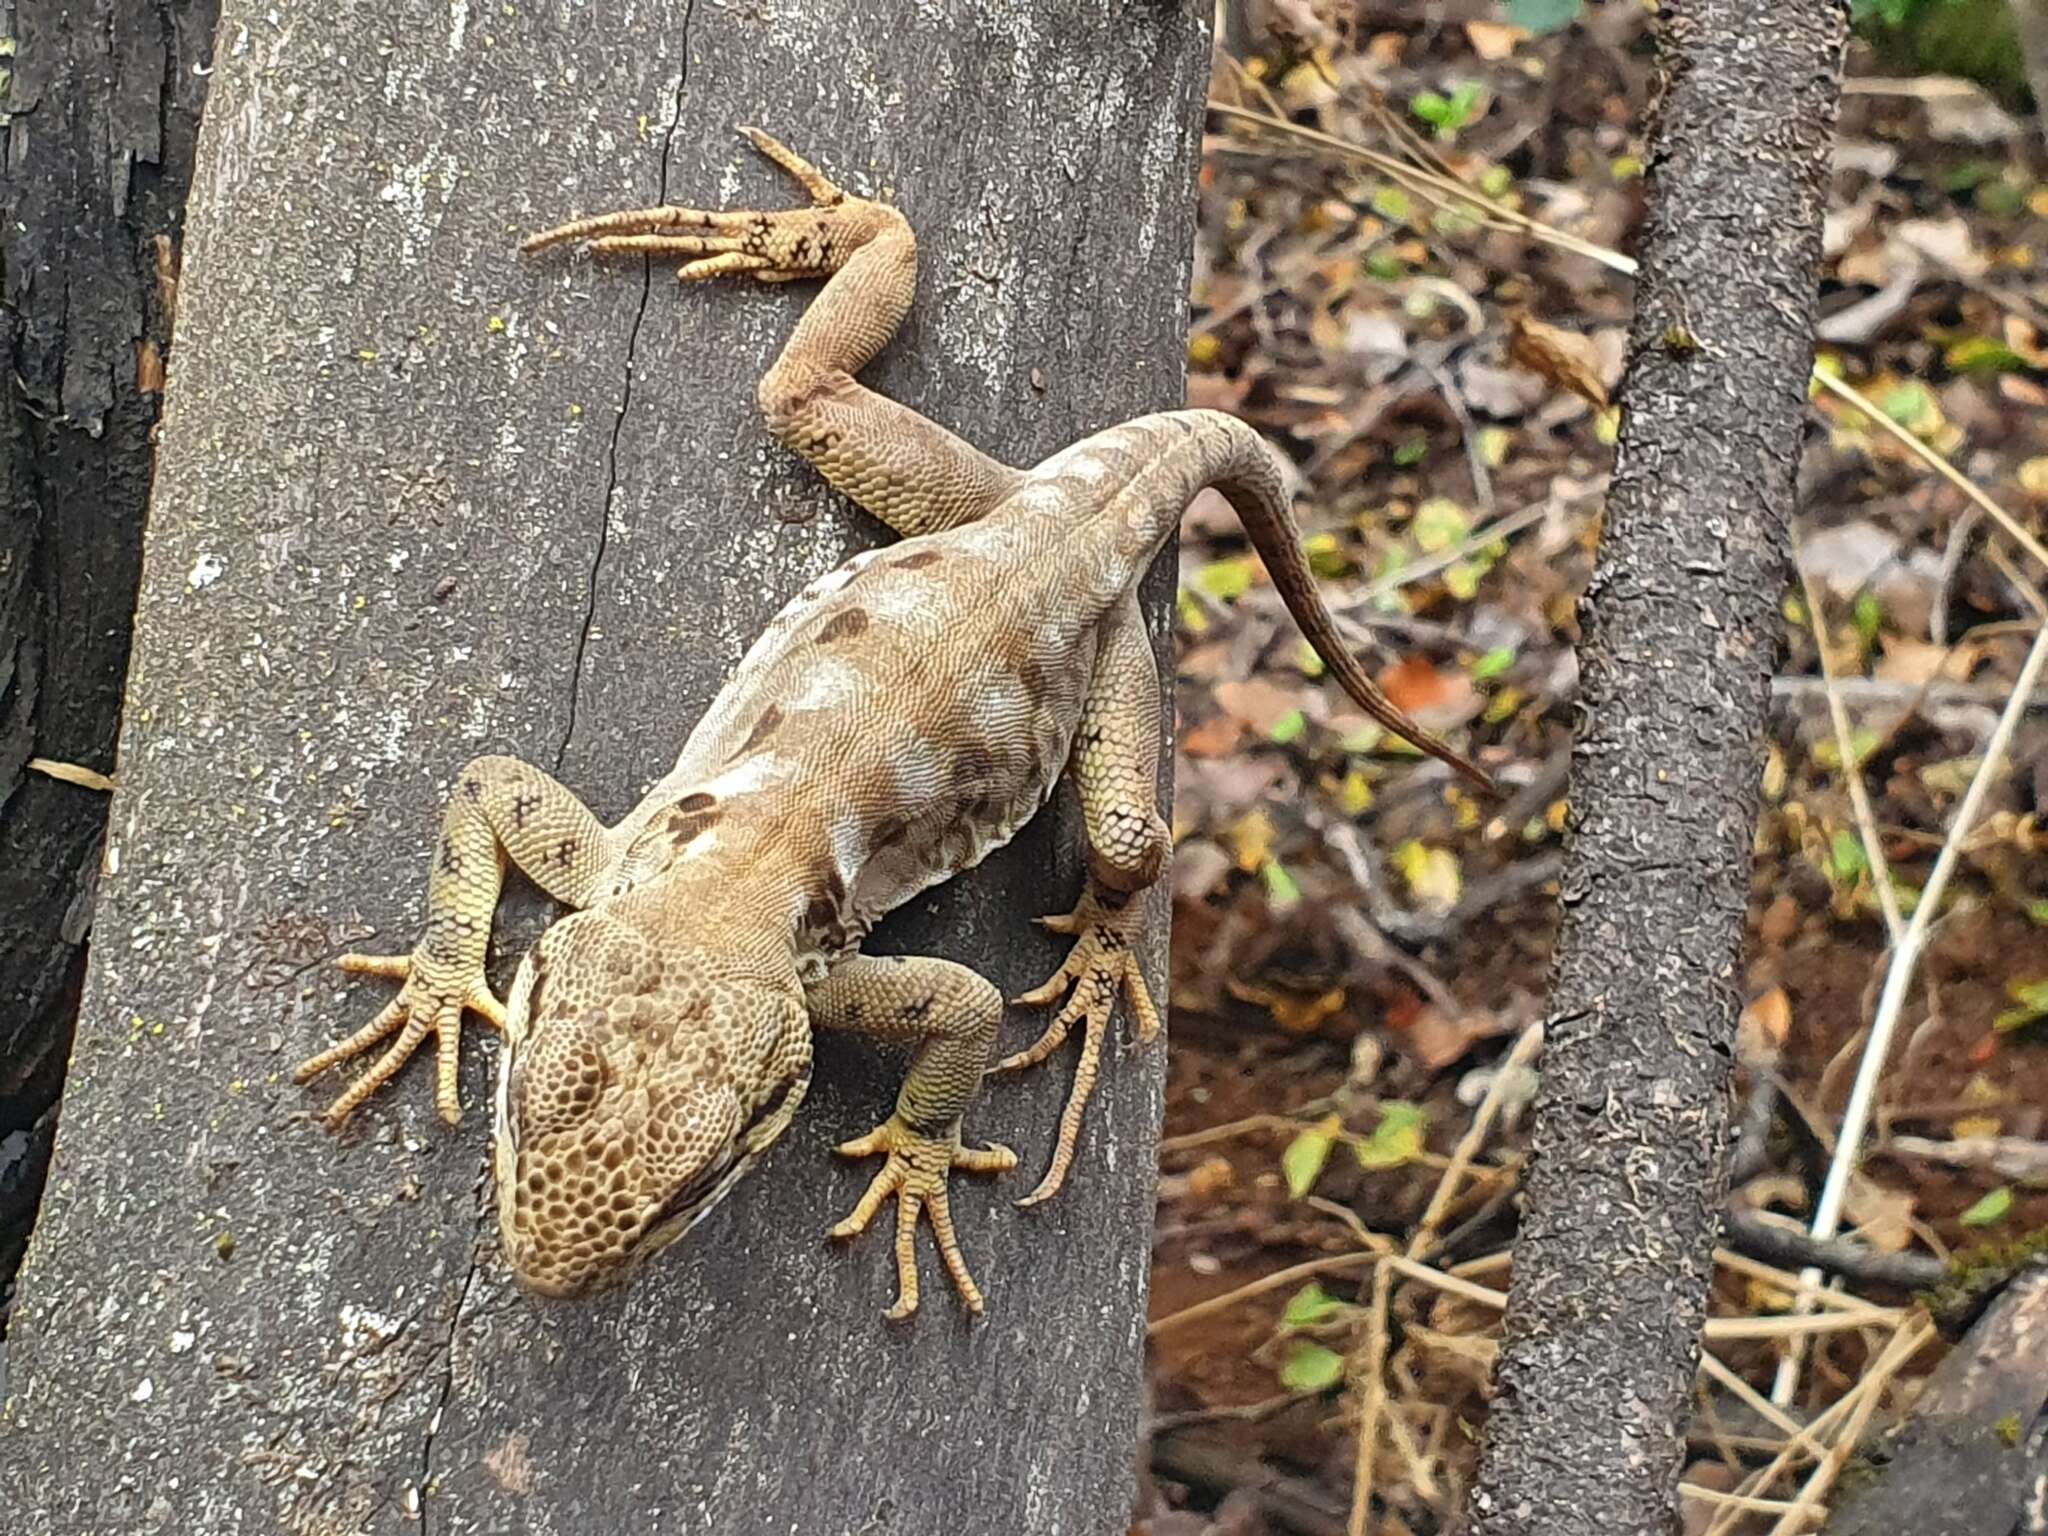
[(898, 720)]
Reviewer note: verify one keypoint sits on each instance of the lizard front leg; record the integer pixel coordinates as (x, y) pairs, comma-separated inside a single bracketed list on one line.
[(899, 465), (1115, 766), (502, 809), (953, 1014)]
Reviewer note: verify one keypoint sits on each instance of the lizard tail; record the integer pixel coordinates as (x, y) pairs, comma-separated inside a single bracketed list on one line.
[(1244, 469)]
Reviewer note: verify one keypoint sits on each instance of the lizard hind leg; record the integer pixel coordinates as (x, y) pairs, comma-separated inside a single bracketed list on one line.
[(1115, 766)]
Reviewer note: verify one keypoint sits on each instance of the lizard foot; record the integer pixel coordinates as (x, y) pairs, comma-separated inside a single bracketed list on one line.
[(423, 1006), (916, 1174), (771, 247), (1102, 963)]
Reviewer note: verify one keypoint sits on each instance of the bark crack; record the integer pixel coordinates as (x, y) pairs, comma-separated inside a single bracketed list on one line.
[(441, 1400), (482, 1214), (611, 490)]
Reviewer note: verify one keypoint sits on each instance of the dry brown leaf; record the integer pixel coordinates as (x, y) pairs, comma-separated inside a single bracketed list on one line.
[(1436, 1039), (1216, 736), (1259, 703), (1493, 40), (1915, 662), (1566, 358), (1765, 1025), (1883, 1218), (1419, 686), (1293, 1013)]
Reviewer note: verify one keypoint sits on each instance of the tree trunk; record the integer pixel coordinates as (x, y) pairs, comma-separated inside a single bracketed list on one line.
[(1679, 631), (423, 499), (97, 124)]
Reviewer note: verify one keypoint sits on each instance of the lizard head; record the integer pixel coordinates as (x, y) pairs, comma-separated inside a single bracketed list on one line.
[(638, 1083)]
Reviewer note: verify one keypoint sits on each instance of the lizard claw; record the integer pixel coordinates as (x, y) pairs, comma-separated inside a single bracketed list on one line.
[(772, 247), (916, 1173), (1102, 964), (422, 1007)]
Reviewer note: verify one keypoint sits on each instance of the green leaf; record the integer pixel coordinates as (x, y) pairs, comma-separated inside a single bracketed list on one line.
[(1989, 1211), (1544, 16), (1493, 664), (1394, 204), (1462, 580), (1312, 1368), (1411, 452), (1438, 524), (1868, 616), (1397, 1139), (1310, 1305), (1282, 891), (1224, 580), (1302, 1162), (1430, 107), (1288, 727), (2001, 199), (1455, 222), (1982, 354), (2032, 997), (2037, 913), (1909, 404), (1326, 556), (1847, 861)]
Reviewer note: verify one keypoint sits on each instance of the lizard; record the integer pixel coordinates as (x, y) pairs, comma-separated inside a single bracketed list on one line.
[(898, 720)]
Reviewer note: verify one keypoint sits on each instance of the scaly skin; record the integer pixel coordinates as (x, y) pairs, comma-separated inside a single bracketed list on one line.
[(900, 719)]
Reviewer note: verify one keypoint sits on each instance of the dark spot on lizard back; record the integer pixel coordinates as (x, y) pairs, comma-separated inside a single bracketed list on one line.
[(686, 826), (702, 800), (918, 560), (844, 625), (771, 717), (889, 831)]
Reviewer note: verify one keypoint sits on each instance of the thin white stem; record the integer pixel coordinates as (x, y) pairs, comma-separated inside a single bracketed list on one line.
[(1898, 982)]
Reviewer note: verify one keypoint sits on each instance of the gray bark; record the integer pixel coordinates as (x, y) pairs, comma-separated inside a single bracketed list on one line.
[(1968, 1459), (1679, 631), (98, 112), (421, 499)]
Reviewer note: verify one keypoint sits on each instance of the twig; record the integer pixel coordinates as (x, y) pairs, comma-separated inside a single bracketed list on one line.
[(1233, 1413), (2010, 1157), (1432, 185), (1292, 1502), (1757, 1237), (1429, 185), (1468, 1146), (1827, 1215), (1877, 690), (1373, 1397), (1487, 533), (1373, 1357), (1915, 1334), (1272, 1282), (1807, 1507), (1875, 414), (1845, 746)]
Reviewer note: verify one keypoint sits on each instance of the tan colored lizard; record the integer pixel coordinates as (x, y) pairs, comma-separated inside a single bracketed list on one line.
[(898, 720)]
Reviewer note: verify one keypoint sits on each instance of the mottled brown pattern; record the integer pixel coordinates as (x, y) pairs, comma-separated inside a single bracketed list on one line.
[(833, 779)]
